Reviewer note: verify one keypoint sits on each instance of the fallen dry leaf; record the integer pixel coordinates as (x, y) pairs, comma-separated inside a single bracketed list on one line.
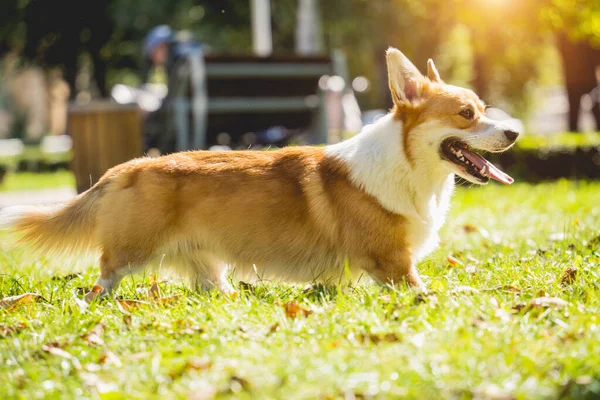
[(7, 330), (378, 338), (196, 364), (453, 261), (55, 350), (94, 335), (540, 303), (568, 276), (154, 292), (184, 327), (274, 328), (109, 358), (293, 310), (22, 299), (191, 330), (167, 300), (547, 302), (93, 294), (129, 305), (468, 228)]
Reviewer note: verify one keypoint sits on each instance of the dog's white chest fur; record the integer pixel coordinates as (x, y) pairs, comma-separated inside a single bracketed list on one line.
[(420, 192), (423, 233)]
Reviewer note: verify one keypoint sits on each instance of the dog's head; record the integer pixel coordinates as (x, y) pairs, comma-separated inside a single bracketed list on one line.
[(443, 125)]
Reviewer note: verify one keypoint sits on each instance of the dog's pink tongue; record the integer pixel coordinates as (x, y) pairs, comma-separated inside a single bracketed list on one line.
[(491, 170), (498, 175)]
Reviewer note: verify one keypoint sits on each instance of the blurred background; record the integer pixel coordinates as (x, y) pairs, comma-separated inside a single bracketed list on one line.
[(78, 78)]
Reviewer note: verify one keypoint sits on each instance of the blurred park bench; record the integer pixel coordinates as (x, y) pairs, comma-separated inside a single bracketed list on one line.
[(215, 95)]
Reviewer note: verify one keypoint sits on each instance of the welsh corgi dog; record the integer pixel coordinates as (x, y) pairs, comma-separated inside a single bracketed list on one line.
[(373, 203)]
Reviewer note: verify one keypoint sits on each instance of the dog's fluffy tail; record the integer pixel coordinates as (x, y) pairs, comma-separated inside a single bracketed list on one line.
[(58, 228)]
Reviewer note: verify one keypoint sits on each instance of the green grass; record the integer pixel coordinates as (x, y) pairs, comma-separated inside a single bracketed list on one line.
[(473, 337), (34, 181), (562, 140)]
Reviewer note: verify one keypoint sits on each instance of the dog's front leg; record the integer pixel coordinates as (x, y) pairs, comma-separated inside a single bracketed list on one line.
[(394, 269)]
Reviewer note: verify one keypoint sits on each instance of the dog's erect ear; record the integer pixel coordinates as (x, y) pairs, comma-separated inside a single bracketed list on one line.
[(432, 72), (406, 82)]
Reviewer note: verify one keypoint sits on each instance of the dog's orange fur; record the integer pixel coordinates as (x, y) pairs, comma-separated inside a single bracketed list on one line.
[(263, 208)]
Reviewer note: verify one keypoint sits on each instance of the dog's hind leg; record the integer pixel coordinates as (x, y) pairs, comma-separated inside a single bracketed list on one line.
[(206, 273), (113, 268)]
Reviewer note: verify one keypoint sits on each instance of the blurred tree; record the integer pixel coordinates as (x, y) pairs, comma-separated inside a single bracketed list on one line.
[(580, 61), (505, 41), (60, 30), (576, 24), (12, 27), (508, 44), (511, 39), (578, 19), (364, 29)]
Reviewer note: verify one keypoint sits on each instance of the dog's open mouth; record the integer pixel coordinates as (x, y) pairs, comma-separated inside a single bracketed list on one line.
[(472, 164)]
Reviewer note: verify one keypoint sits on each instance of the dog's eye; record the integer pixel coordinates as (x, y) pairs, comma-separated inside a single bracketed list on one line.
[(467, 113)]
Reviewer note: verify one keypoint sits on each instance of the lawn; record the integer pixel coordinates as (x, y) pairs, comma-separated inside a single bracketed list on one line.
[(514, 313), (34, 181)]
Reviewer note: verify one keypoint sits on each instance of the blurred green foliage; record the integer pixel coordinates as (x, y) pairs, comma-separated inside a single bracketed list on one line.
[(562, 140), (580, 19), (501, 48)]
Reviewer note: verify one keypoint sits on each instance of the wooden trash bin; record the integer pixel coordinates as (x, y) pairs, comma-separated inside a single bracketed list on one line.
[(104, 134)]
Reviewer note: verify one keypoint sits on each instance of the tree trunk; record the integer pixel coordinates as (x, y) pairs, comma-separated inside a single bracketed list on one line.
[(579, 68)]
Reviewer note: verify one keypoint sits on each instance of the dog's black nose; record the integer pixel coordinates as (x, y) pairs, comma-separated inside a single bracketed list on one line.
[(511, 135)]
